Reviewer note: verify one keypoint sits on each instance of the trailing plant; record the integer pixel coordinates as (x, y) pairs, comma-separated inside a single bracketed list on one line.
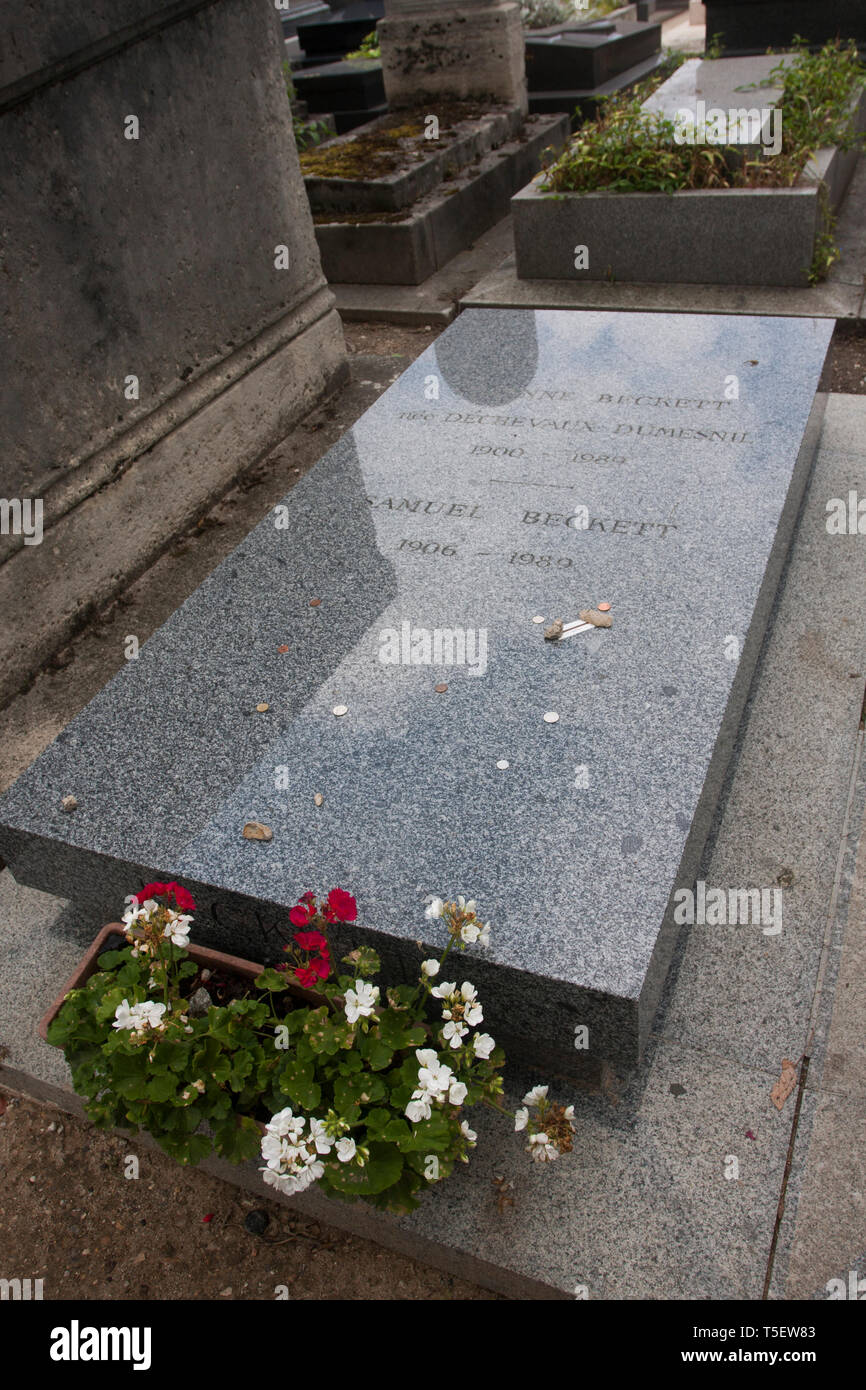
[(330, 1077)]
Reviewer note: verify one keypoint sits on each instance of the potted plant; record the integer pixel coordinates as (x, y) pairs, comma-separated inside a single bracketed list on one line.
[(328, 1076)]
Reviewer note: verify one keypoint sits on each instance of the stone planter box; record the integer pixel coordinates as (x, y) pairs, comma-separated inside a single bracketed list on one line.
[(735, 236)]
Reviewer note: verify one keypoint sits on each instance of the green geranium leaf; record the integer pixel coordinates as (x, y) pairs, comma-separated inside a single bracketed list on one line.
[(276, 981), (382, 1170)]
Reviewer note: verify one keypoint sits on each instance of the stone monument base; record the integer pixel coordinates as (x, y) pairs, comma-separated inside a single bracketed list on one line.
[(456, 55)]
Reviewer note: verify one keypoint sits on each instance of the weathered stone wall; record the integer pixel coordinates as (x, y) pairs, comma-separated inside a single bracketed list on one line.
[(152, 258)]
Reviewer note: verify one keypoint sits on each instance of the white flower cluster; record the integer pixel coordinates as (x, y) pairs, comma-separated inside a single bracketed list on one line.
[(461, 1010), (293, 1158), (436, 1083), (138, 1016), (471, 932), (541, 1146), (176, 928), (361, 1001)]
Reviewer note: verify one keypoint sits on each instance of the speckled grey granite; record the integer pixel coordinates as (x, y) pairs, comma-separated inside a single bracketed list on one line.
[(687, 537)]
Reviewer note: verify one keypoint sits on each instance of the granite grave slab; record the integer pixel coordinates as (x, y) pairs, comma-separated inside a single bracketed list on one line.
[(724, 235), (583, 57), (528, 464)]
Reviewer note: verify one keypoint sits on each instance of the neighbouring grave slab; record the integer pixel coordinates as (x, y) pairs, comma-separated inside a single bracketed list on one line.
[(407, 245), (354, 85), (451, 507), (341, 31), (584, 104), (721, 236), (582, 57), (391, 164)]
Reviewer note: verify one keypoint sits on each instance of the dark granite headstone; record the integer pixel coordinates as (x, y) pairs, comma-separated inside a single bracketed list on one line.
[(753, 26), (587, 56)]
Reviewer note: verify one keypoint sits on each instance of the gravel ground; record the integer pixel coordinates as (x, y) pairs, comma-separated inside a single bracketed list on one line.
[(70, 1217)]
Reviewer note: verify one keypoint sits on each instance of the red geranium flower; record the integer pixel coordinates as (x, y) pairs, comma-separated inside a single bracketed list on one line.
[(311, 941), (182, 898), (341, 906), (306, 976), (321, 967)]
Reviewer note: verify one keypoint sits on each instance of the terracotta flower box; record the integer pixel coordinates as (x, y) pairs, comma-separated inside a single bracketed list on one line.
[(202, 955)]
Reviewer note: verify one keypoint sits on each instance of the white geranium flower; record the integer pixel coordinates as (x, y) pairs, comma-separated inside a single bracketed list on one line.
[(177, 929), (468, 992), (521, 1120), (436, 909), (419, 1108), (484, 935), (457, 1093), (274, 1150), (474, 1015), (535, 1095), (445, 990), (285, 1123), (345, 1150), (435, 1079), (466, 906), (150, 1013), (361, 1001), (541, 1149), (138, 1016), (454, 1033), (470, 932), (430, 968), (468, 1134), (426, 1056), (483, 1045), (125, 1017), (320, 1137)]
